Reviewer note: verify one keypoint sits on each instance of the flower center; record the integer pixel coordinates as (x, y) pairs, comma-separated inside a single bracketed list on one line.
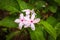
[(31, 21), (22, 20)]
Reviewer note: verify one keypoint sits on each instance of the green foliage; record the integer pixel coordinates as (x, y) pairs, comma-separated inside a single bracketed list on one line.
[(40, 4), (37, 34), (11, 35), (24, 5), (57, 27), (8, 22), (51, 20), (51, 38), (52, 9), (58, 1), (10, 5), (51, 24), (49, 29)]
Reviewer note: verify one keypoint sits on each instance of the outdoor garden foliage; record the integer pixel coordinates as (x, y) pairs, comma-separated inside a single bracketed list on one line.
[(47, 10)]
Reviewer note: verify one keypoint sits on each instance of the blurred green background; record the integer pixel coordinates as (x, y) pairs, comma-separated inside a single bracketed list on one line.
[(47, 29)]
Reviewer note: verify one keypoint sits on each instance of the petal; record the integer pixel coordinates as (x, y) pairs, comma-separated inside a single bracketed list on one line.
[(21, 16), (20, 25), (36, 20), (27, 17), (26, 25), (32, 16), (32, 11), (32, 26), (17, 21), (27, 11)]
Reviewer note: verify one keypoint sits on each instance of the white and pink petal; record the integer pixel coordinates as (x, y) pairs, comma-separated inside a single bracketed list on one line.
[(32, 26), (21, 16), (17, 21), (32, 16), (20, 25), (27, 11), (36, 20)]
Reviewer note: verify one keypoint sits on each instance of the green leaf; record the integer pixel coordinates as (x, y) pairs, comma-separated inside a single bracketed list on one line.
[(52, 9), (39, 4), (51, 20), (51, 38), (9, 5), (37, 34), (58, 1), (23, 5), (11, 35), (32, 1), (45, 10), (8, 22), (57, 27), (49, 28)]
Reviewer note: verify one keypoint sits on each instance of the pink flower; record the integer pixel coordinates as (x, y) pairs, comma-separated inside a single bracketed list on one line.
[(28, 20), (21, 21), (31, 21)]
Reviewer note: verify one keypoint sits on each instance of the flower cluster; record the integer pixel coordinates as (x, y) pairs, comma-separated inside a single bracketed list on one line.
[(28, 20)]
